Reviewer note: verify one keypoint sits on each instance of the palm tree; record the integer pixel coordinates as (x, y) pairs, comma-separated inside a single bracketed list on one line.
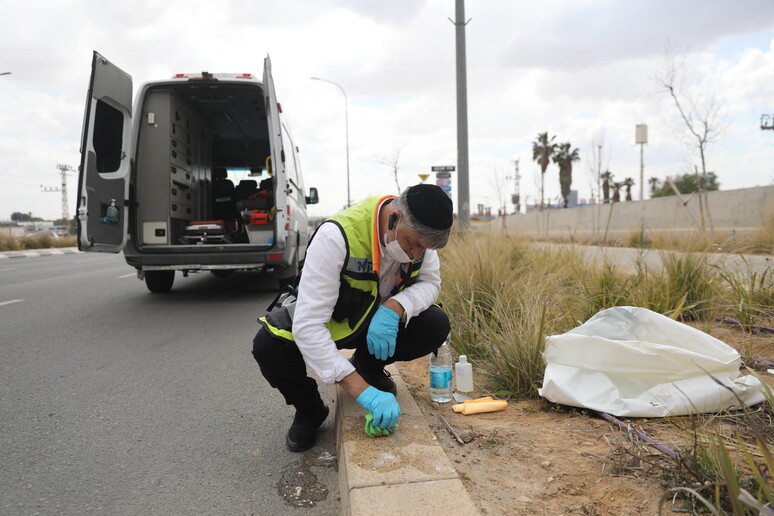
[(617, 191), (607, 176), (628, 183), (543, 149), (654, 183), (564, 157)]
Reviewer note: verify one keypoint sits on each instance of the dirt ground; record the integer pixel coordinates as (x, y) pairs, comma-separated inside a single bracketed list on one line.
[(539, 458)]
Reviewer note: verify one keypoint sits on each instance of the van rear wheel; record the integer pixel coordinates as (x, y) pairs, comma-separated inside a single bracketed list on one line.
[(159, 281)]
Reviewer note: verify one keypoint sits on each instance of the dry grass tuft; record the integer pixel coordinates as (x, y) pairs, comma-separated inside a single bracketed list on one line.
[(45, 241)]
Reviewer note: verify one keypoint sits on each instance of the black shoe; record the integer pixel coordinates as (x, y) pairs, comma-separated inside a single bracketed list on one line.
[(301, 435), (376, 377)]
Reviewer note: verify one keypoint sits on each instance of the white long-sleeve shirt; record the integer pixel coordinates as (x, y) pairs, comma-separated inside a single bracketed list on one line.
[(319, 290)]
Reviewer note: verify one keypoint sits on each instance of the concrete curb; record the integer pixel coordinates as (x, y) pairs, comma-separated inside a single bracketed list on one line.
[(36, 253), (406, 473)]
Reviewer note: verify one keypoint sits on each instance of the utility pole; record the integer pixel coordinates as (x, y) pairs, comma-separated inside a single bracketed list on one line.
[(63, 169), (463, 184)]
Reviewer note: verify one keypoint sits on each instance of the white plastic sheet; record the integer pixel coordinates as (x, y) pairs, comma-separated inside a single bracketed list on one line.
[(630, 361)]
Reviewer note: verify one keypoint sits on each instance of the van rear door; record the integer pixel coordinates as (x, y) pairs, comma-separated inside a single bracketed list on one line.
[(278, 155), (105, 159)]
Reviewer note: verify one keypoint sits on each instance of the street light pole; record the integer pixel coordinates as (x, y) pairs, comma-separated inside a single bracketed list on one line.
[(346, 128), (5, 73)]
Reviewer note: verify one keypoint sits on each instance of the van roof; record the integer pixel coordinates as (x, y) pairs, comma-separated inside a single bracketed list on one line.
[(207, 76)]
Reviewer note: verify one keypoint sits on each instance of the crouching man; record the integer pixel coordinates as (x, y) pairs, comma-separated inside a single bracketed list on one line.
[(368, 283)]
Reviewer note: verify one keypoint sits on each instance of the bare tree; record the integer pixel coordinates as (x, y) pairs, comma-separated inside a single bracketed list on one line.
[(499, 184), (698, 107), (392, 162)]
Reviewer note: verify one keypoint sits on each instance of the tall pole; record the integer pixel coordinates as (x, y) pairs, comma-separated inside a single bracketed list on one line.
[(642, 173), (641, 137), (346, 129), (516, 192), (65, 209), (463, 186), (63, 169)]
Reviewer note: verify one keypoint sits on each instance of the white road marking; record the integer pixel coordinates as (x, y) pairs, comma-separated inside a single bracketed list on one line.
[(12, 301), (128, 275)]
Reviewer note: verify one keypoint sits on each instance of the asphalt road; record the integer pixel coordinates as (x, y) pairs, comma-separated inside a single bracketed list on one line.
[(118, 401)]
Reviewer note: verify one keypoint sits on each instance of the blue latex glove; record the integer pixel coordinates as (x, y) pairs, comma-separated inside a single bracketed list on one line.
[(382, 333), (383, 405)]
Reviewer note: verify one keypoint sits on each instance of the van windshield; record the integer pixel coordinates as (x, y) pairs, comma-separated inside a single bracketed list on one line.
[(235, 175)]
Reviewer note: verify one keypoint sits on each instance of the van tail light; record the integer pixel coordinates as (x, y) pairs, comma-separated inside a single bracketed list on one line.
[(287, 223), (275, 257)]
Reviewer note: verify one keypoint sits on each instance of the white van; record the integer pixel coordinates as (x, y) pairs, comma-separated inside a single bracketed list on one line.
[(158, 181)]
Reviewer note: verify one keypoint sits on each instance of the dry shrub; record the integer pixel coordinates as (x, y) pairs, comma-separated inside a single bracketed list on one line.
[(762, 241), (8, 243), (683, 287), (503, 297), (43, 241)]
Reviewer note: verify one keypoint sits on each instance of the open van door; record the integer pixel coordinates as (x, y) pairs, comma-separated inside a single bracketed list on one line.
[(105, 159), (277, 153)]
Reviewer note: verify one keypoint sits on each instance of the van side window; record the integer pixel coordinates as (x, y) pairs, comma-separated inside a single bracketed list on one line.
[(108, 137), (290, 157)]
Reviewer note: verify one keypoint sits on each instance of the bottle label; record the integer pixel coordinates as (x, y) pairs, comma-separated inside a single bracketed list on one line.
[(440, 379)]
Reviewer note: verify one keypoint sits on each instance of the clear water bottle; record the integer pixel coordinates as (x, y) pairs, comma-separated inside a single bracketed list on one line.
[(441, 374)]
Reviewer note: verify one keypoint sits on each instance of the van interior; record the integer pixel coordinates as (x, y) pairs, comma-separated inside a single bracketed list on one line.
[(203, 173)]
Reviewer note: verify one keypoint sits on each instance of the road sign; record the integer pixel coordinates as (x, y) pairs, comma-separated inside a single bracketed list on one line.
[(424, 177), (446, 188), (443, 168), (442, 175), (442, 182)]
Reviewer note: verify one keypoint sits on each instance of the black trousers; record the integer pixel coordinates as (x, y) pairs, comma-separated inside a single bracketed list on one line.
[(283, 366)]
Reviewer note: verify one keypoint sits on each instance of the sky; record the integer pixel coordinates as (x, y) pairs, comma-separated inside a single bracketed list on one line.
[(584, 71)]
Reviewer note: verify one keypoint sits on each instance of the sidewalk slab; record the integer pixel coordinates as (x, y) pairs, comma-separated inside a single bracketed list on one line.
[(405, 473), (432, 498)]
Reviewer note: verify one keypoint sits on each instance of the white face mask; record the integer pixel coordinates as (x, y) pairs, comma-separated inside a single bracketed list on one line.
[(394, 250)]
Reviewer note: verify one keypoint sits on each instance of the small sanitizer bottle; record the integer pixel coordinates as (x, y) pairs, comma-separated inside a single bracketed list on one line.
[(464, 370)]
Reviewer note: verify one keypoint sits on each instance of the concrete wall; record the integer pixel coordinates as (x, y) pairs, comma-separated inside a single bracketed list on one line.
[(728, 212)]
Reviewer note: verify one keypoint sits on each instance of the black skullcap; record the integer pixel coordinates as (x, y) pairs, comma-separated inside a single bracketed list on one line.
[(430, 206)]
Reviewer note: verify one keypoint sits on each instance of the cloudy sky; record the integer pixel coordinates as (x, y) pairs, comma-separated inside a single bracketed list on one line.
[(583, 71)]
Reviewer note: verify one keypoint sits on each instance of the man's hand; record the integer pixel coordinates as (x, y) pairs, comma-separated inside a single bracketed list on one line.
[(382, 333), (382, 404)]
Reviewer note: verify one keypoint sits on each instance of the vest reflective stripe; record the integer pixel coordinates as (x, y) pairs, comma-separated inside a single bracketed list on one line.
[(278, 332)]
